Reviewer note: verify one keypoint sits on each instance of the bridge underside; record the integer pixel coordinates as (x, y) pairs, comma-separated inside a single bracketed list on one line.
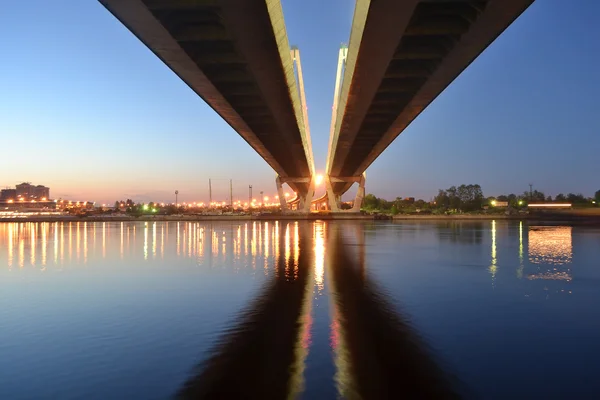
[(401, 56), (235, 55)]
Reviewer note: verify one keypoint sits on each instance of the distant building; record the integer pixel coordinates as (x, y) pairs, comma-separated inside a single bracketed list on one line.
[(409, 199), (41, 192), (25, 190), (28, 191), (8, 194)]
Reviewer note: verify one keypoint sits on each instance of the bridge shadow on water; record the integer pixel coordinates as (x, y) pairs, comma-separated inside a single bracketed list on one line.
[(376, 352), (259, 357), (378, 355)]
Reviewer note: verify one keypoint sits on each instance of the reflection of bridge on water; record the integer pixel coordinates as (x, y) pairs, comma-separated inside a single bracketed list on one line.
[(377, 354)]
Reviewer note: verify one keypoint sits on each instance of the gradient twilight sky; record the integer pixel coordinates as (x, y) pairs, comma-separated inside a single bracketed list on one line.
[(88, 110)]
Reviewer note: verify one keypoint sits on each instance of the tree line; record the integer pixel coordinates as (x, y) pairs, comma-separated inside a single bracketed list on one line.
[(470, 198)]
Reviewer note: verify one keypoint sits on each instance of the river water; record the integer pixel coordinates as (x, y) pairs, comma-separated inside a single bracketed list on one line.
[(151, 310)]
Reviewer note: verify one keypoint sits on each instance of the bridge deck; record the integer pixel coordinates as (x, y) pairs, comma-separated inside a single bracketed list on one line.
[(235, 55), (401, 56)]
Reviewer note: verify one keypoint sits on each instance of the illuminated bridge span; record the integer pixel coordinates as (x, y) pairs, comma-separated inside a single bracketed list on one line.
[(235, 55), (402, 54)]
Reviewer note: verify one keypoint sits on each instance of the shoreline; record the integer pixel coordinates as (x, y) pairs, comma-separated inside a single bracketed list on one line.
[(569, 218)]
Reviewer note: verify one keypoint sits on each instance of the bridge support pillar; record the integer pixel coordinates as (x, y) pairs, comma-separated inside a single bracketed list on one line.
[(360, 194), (282, 199), (335, 199), (304, 199)]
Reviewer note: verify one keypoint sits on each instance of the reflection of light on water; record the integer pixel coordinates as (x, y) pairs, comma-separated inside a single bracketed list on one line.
[(121, 251), (145, 240), (551, 275), (238, 245), (103, 239), (78, 241), (550, 245), (253, 246), (32, 238), (276, 240), (266, 241), (10, 245), (154, 240), (520, 269), (56, 243), (62, 242), (202, 243), (493, 267), (266, 251), (21, 252), (287, 249), (296, 248), (319, 254), (85, 244), (44, 242)]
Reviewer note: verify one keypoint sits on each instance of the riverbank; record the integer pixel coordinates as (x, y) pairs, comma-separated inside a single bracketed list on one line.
[(570, 216)]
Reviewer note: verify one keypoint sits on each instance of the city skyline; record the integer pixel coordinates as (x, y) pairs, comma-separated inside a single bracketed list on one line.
[(103, 119)]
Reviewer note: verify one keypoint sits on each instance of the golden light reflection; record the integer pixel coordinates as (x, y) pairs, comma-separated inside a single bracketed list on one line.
[(188, 232), (266, 241), (85, 243), (214, 243), (246, 243), (56, 243), (21, 252), (253, 245), (78, 240), (238, 244), (104, 239), (288, 252), (32, 240), (154, 240), (10, 245), (493, 267), (43, 244), (178, 239), (296, 247), (521, 266), (550, 245), (319, 254), (162, 240), (62, 242), (145, 240), (276, 240)]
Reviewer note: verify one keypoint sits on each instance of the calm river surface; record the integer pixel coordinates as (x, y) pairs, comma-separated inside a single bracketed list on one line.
[(151, 310)]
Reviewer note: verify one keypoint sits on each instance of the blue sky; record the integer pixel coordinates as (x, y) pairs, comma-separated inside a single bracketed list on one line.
[(88, 110)]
